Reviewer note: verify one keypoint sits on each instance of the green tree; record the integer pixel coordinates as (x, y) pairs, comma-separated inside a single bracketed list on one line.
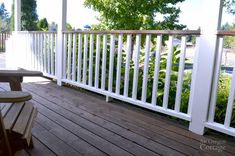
[(12, 17), (230, 6), (4, 26), (3, 11), (227, 26), (229, 41), (29, 17), (69, 27), (43, 24), (136, 14), (4, 19)]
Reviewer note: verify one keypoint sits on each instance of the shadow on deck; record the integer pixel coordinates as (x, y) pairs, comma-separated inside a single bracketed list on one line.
[(76, 122)]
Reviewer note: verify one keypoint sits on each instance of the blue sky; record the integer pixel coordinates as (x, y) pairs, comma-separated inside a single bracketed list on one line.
[(79, 16)]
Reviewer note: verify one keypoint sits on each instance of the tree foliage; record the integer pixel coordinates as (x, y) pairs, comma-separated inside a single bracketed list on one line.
[(230, 6), (137, 14), (12, 17), (3, 11), (69, 27), (29, 17), (4, 19), (229, 41), (43, 24)]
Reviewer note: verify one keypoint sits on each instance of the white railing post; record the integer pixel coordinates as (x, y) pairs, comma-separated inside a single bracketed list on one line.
[(59, 48), (17, 14), (204, 65)]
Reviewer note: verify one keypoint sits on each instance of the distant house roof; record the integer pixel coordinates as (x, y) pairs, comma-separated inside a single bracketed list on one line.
[(87, 27)]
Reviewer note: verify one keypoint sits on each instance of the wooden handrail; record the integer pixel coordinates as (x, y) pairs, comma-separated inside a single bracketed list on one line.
[(156, 32), (225, 33)]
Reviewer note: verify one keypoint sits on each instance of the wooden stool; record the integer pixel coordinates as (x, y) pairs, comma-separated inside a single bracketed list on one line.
[(16, 121)]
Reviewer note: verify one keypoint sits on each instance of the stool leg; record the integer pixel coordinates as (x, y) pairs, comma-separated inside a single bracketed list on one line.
[(31, 145)]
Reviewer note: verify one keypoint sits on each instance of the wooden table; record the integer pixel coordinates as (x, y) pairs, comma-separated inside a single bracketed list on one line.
[(15, 77)]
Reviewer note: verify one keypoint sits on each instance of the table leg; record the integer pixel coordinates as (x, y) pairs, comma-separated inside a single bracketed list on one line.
[(15, 83)]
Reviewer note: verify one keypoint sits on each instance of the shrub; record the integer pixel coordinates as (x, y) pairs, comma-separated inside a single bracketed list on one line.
[(222, 99)]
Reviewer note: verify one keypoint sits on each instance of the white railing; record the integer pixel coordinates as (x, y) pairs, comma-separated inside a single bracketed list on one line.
[(34, 51), (139, 67), (126, 65), (229, 109), (3, 37)]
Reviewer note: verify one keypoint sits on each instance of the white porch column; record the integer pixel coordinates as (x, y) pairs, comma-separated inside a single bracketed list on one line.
[(59, 51), (12, 44), (204, 65), (17, 15)]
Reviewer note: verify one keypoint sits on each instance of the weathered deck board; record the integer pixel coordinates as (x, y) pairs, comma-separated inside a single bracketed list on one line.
[(115, 138), (54, 143), (87, 117), (68, 137), (124, 114), (75, 122), (85, 134), (40, 149)]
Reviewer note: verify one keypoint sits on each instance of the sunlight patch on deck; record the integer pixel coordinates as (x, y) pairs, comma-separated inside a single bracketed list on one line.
[(38, 80)]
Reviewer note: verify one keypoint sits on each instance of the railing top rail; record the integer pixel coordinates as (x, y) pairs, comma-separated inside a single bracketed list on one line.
[(225, 33), (37, 32), (5, 32), (156, 32)]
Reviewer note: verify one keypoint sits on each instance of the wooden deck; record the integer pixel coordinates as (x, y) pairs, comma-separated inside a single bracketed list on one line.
[(75, 122)]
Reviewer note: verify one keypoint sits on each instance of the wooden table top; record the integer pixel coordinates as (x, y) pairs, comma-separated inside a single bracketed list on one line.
[(20, 72)]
